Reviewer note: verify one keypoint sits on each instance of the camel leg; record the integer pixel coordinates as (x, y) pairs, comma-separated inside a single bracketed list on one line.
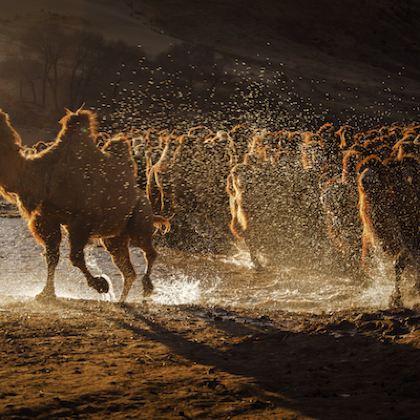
[(118, 248), (150, 255), (49, 235), (399, 267), (358, 274), (253, 253), (140, 232), (78, 239)]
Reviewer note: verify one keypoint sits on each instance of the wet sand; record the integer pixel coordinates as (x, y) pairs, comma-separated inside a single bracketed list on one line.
[(91, 359)]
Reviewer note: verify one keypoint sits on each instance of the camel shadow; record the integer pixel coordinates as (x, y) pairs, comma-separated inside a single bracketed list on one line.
[(317, 374), (337, 371)]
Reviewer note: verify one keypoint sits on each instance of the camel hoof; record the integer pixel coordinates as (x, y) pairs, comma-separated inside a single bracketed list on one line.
[(100, 284), (147, 286), (45, 296)]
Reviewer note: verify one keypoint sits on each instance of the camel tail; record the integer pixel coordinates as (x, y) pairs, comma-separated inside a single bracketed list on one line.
[(162, 224)]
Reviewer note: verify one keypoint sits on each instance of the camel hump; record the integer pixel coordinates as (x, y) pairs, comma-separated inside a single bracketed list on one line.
[(118, 146), (82, 123)]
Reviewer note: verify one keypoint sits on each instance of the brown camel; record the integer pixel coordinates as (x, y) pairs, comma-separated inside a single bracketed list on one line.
[(91, 192), (389, 203)]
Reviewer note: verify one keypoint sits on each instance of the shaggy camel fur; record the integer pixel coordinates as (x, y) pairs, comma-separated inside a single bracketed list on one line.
[(389, 202), (90, 191), (339, 198), (36, 148)]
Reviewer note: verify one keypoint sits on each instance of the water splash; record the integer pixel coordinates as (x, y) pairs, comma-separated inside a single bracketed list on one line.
[(192, 279), (182, 289), (241, 259), (177, 291)]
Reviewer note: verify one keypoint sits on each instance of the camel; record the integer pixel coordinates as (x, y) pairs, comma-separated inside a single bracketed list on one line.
[(199, 170), (91, 192), (273, 203), (339, 199), (389, 203)]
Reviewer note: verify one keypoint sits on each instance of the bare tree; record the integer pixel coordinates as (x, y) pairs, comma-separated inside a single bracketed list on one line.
[(88, 59), (47, 43), (26, 72)]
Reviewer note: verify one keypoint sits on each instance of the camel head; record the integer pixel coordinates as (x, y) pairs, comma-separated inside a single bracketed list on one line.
[(327, 132), (312, 152), (220, 141), (383, 151), (10, 145), (350, 160), (373, 177), (345, 133), (406, 170), (10, 140), (81, 123), (119, 146)]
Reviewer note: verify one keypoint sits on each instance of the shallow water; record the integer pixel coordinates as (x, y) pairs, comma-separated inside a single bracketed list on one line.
[(227, 282)]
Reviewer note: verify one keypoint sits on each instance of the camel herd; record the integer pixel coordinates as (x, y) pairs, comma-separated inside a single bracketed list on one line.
[(324, 199)]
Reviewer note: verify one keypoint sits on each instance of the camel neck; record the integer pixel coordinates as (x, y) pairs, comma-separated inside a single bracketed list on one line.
[(13, 173)]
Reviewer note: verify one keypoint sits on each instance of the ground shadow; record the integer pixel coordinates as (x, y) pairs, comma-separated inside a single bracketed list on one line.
[(335, 372), (320, 375)]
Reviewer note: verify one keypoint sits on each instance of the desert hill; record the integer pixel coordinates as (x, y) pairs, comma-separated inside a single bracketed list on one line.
[(349, 61)]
